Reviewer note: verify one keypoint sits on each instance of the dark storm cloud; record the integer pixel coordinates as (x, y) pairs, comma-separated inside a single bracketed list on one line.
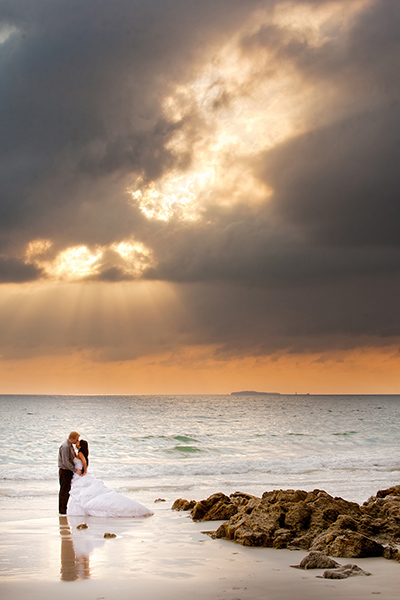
[(341, 182), (80, 103), (262, 257), (245, 320), (15, 271), (335, 207)]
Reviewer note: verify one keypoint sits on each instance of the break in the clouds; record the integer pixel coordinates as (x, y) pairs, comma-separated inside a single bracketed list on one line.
[(245, 152)]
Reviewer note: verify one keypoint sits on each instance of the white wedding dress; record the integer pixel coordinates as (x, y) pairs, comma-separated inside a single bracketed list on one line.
[(89, 496)]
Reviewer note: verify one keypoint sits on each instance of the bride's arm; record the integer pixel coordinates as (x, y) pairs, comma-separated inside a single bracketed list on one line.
[(84, 463)]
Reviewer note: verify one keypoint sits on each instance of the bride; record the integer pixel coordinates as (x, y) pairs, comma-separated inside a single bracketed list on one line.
[(89, 496)]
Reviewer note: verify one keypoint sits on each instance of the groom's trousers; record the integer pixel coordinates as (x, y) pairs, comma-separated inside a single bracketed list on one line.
[(65, 476)]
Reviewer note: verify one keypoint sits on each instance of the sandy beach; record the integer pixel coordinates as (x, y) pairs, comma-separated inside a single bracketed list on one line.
[(164, 556)]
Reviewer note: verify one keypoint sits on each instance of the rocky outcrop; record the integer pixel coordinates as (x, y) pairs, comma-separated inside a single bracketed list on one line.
[(312, 521)]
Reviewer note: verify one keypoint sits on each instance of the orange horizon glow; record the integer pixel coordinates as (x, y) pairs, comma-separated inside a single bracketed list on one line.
[(194, 371)]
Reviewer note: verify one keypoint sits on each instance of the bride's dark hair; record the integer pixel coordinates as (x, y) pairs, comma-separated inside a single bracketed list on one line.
[(84, 448)]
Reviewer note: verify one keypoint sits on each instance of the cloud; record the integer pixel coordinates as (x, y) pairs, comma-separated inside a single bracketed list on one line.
[(333, 210), (15, 271), (340, 184), (124, 321), (248, 149), (82, 88)]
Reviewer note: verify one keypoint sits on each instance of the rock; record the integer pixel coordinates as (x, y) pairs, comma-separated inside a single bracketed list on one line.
[(109, 536), (392, 491), (298, 516), (217, 507), (382, 515), (159, 500), (239, 498), (391, 553), (82, 526), (344, 571), (325, 509), (303, 542), (282, 538), (182, 504), (346, 522), (297, 519), (317, 560), (347, 543)]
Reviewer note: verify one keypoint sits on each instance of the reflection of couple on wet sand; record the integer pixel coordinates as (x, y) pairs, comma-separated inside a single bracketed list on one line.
[(82, 494), (79, 541), (74, 561)]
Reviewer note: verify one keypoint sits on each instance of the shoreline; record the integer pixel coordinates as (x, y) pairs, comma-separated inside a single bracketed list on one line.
[(165, 556)]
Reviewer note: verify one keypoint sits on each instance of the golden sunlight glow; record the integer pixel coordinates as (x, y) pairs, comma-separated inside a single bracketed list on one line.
[(136, 256), (79, 262), (319, 23), (37, 249), (174, 195), (243, 102), (233, 126), (74, 263)]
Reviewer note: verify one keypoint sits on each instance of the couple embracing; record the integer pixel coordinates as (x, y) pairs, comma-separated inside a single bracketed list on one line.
[(82, 494), (67, 467)]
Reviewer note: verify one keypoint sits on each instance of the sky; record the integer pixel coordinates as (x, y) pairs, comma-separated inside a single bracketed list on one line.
[(199, 197)]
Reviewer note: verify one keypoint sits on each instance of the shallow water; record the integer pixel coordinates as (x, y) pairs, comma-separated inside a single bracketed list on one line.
[(190, 446)]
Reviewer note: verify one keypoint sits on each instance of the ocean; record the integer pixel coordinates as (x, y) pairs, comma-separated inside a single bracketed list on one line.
[(151, 447)]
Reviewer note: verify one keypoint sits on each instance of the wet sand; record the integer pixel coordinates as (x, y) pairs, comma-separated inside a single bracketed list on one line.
[(165, 556)]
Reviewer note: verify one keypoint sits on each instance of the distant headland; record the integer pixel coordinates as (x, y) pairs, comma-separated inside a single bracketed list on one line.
[(252, 393)]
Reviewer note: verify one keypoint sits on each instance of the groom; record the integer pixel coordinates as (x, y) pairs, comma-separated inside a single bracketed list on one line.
[(66, 469)]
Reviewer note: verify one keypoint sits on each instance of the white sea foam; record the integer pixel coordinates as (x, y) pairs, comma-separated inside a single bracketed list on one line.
[(303, 465)]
